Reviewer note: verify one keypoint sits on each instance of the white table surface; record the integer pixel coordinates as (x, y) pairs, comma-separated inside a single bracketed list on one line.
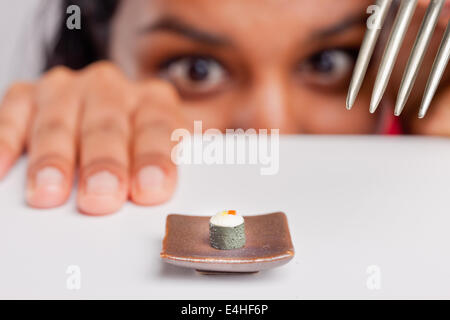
[(352, 202)]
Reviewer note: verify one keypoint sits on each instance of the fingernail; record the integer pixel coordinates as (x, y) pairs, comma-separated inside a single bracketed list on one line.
[(49, 178), (102, 183), (102, 194), (48, 188), (152, 186), (150, 178)]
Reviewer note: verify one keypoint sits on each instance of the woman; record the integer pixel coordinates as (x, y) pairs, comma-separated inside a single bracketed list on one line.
[(165, 63)]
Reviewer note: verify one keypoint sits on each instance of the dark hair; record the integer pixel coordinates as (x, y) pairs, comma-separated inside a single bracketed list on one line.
[(78, 48)]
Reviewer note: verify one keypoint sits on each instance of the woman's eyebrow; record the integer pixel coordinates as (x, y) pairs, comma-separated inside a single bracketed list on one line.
[(342, 26), (175, 25)]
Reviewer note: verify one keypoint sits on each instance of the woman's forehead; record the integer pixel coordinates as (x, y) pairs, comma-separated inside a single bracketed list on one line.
[(231, 15)]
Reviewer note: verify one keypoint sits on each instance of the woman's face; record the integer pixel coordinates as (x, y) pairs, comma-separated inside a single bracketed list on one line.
[(250, 63)]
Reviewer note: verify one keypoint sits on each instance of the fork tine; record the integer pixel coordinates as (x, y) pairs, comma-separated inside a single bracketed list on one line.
[(418, 53), (440, 63), (395, 41), (366, 52)]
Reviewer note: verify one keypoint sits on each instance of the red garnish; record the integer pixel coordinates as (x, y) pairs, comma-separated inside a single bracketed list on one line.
[(232, 212)]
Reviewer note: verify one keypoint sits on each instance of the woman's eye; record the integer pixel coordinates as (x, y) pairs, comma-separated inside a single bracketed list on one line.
[(329, 67), (195, 75)]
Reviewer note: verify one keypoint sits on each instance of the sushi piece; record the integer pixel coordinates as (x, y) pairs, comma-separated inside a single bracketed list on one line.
[(227, 230)]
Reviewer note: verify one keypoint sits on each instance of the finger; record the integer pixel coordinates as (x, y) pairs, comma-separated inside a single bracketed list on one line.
[(104, 153), (15, 116), (52, 141), (154, 175), (104, 161)]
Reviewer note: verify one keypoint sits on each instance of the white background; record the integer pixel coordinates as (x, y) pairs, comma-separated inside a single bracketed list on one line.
[(352, 202), (21, 26)]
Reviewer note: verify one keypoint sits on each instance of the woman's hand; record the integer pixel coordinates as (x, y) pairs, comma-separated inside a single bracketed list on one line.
[(118, 132)]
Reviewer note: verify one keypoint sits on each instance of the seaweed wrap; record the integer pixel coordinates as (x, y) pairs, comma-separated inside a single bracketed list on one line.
[(227, 230)]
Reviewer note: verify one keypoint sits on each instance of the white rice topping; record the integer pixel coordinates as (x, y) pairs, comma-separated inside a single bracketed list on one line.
[(226, 220)]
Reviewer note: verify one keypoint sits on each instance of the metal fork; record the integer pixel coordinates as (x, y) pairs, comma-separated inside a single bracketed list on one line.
[(398, 32)]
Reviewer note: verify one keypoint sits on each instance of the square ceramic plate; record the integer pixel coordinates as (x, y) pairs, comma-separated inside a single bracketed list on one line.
[(268, 244)]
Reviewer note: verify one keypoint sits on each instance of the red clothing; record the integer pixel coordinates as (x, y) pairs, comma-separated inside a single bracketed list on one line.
[(393, 126)]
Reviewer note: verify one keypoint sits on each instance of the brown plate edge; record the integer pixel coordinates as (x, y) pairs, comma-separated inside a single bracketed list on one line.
[(230, 267)]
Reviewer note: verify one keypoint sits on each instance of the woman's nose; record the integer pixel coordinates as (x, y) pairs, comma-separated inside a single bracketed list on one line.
[(266, 106)]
